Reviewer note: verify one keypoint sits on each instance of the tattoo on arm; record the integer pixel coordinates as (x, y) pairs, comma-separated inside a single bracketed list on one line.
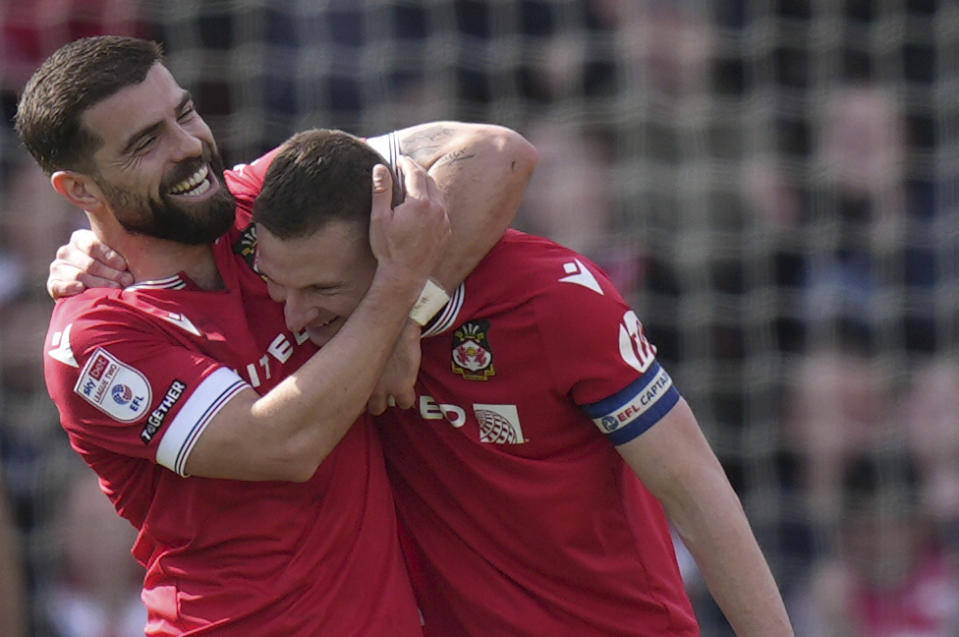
[(423, 144), (453, 157)]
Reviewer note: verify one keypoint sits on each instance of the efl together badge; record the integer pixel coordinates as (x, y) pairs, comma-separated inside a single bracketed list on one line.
[(472, 356)]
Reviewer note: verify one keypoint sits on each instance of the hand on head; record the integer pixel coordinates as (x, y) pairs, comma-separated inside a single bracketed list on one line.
[(410, 238)]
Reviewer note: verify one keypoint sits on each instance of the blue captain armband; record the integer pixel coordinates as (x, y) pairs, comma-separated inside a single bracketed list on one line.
[(628, 413)]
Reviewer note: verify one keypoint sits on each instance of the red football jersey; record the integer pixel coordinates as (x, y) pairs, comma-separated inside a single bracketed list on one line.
[(138, 373), (521, 517)]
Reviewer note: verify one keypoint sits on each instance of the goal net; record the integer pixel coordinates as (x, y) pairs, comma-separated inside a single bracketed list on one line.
[(772, 184)]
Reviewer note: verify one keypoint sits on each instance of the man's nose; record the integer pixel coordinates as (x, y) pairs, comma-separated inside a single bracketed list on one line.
[(188, 145), (298, 312)]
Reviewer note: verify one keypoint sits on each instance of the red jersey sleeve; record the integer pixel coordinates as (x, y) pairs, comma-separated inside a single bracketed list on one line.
[(124, 385), (245, 181), (598, 353)]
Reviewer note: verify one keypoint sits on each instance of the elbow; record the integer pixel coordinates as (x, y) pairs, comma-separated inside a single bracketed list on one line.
[(302, 473), (295, 462), (295, 469), (527, 155), (522, 155)]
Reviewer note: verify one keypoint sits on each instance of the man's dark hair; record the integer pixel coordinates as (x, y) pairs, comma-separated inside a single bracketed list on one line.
[(76, 77), (317, 176)]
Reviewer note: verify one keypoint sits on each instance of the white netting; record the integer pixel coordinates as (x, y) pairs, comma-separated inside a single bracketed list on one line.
[(772, 183)]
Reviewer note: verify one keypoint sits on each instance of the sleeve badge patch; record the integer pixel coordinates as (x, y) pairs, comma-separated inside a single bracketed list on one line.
[(472, 356), (113, 387)]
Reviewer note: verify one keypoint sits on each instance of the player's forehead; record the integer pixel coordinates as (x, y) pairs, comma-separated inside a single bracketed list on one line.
[(135, 106), (301, 262)]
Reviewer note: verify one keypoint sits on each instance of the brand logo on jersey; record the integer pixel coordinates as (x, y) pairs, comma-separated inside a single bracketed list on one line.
[(499, 424), (638, 352), (181, 321), (472, 356), (245, 246), (578, 273), (62, 350), (158, 415), (113, 387), (280, 350), (432, 410)]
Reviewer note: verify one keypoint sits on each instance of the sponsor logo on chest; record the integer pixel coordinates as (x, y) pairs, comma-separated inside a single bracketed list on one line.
[(278, 352), (497, 424)]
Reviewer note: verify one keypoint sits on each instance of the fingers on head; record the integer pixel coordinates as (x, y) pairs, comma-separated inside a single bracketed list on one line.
[(382, 182)]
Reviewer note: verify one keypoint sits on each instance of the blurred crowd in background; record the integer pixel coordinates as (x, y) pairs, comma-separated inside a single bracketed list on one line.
[(771, 183)]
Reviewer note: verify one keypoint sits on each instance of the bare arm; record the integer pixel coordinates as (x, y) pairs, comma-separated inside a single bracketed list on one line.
[(674, 460), (483, 171), (285, 434)]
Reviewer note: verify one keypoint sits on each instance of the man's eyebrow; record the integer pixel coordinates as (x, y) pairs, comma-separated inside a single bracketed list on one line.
[(152, 128)]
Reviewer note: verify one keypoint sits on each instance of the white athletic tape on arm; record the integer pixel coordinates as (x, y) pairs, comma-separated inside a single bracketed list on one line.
[(432, 299)]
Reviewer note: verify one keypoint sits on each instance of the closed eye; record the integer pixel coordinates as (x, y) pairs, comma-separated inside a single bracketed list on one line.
[(326, 289), (187, 113), (144, 144)]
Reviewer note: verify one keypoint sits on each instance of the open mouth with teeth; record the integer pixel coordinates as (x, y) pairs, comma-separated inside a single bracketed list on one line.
[(195, 185), (320, 333)]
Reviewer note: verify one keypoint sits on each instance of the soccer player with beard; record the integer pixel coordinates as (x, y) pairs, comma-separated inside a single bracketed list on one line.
[(223, 437), (546, 442)]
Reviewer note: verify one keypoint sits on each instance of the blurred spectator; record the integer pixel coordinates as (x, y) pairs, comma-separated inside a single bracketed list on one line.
[(890, 577), (33, 29), (861, 202), (868, 258), (33, 224), (97, 593), (931, 418), (35, 453), (569, 199), (672, 42), (840, 404), (12, 606), (871, 262)]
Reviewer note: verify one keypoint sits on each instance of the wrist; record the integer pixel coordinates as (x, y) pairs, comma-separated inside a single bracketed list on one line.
[(431, 300)]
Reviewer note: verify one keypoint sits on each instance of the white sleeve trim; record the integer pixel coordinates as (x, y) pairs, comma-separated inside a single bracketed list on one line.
[(388, 147), (449, 314), (203, 404)]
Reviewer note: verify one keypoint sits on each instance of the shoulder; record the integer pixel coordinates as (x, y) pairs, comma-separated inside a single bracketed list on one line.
[(85, 336), (245, 181), (550, 274), (530, 274), (96, 318), (247, 178), (96, 306)]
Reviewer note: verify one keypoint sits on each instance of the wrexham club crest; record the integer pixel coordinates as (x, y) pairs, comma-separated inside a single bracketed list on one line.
[(245, 246), (472, 356)]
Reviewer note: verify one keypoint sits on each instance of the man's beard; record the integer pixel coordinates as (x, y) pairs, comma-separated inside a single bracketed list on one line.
[(166, 218)]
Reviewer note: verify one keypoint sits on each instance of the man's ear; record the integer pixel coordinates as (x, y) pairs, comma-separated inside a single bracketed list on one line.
[(77, 188)]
